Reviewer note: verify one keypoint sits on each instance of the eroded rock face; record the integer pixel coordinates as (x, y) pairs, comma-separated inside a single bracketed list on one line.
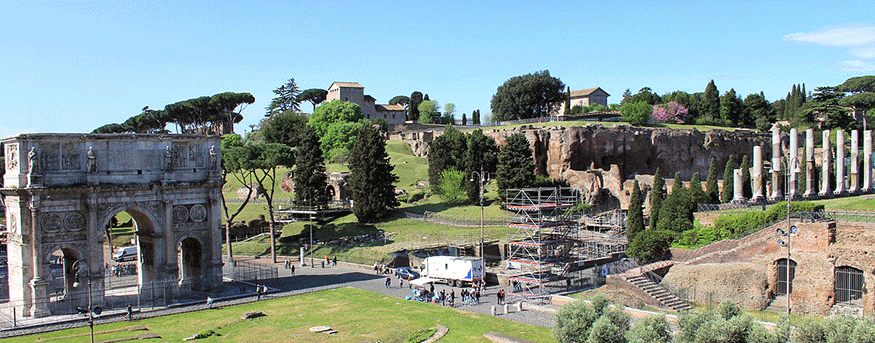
[(635, 150)]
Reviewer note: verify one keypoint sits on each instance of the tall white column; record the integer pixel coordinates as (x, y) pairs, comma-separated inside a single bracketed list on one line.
[(825, 188), (840, 162), (809, 163), (756, 174), (738, 187), (867, 161), (776, 164), (854, 171), (792, 162)]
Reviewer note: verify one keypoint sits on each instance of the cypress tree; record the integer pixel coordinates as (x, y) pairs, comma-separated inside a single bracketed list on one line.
[(696, 191), (711, 184), (635, 219), (726, 195), (568, 100), (711, 99), (445, 152), (745, 177), (657, 193), (678, 184), (311, 182), (371, 178), (413, 106), (464, 119), (516, 166), (475, 117), (481, 156), (802, 176)]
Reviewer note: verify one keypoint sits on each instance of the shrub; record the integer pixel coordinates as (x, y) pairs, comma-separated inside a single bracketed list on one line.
[(636, 114), (651, 245), (653, 329), (452, 187), (574, 321), (420, 335)]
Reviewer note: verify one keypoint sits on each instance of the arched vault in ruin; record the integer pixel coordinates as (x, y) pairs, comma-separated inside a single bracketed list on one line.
[(61, 190)]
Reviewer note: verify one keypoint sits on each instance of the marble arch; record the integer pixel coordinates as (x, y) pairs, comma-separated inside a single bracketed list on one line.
[(62, 189)]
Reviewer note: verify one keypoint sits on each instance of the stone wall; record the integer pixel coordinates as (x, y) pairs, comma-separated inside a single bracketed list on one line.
[(818, 249)]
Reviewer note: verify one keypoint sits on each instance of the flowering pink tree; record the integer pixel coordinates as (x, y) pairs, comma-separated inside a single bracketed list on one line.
[(672, 112)]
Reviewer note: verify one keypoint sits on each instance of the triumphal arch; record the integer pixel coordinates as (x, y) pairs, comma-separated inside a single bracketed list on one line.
[(61, 191)]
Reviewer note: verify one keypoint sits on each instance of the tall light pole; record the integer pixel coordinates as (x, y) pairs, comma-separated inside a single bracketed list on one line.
[(482, 178), (794, 164), (75, 267)]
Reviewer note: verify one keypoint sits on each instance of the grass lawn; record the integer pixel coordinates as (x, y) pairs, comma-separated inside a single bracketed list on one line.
[(858, 203), (357, 315)]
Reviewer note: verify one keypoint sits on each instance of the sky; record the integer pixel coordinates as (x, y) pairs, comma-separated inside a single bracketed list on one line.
[(72, 66)]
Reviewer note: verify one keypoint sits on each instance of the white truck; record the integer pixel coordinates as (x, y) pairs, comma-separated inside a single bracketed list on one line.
[(453, 270)]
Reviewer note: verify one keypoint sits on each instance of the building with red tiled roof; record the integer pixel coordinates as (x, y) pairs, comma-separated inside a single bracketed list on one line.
[(587, 97), (355, 93)]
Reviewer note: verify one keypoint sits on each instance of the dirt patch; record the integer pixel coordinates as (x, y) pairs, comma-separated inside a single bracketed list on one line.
[(617, 296)]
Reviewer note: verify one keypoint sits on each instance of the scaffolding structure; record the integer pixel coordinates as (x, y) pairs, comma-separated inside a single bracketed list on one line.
[(549, 240)]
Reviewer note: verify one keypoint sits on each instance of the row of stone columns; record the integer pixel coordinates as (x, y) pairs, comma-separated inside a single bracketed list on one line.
[(794, 167)]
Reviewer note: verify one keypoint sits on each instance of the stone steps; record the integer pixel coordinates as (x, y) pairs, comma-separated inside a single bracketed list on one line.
[(654, 290)]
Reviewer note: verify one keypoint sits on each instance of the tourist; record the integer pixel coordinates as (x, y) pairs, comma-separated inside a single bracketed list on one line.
[(388, 282), (130, 311), (293, 269), (334, 261)]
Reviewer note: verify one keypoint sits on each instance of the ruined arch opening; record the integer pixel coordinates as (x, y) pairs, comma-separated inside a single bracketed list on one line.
[(784, 286), (849, 286), (191, 262)]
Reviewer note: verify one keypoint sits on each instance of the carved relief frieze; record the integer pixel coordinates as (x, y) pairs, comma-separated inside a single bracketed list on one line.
[(52, 222), (180, 155), (51, 157), (12, 157), (70, 157), (180, 214), (74, 221), (195, 156), (198, 213)]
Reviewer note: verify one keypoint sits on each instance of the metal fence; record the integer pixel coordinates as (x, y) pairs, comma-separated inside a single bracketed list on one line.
[(247, 271)]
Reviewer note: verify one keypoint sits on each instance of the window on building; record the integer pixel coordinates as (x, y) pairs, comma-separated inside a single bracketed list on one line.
[(785, 281), (849, 285)]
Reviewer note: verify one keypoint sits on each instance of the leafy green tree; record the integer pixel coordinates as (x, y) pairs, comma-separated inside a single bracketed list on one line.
[(286, 98), (428, 111), (676, 212), (402, 100), (691, 322), (371, 177), (731, 107), (635, 219), (651, 329), (711, 101), (339, 139), (314, 95), (711, 184), (651, 245), (758, 112), (311, 182), (677, 183), (657, 194), (746, 188), (728, 183), (332, 113), (645, 94), (452, 187), (573, 322), (862, 98), (637, 113), (481, 156), (516, 166), (611, 327), (227, 107), (696, 192), (413, 106), (528, 96), (234, 165), (285, 128), (449, 111), (825, 104), (445, 152)]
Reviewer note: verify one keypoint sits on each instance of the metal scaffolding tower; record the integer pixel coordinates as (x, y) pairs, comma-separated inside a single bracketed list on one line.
[(549, 239)]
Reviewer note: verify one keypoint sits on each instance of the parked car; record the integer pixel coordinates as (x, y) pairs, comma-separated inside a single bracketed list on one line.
[(406, 273), (125, 254)]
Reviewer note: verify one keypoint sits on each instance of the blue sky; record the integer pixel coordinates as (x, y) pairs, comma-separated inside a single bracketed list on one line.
[(74, 66)]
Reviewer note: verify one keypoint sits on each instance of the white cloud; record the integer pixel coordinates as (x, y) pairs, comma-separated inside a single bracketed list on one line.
[(857, 66), (841, 36), (867, 52)]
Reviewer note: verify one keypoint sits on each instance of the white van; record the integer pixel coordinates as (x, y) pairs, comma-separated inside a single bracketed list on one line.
[(125, 254)]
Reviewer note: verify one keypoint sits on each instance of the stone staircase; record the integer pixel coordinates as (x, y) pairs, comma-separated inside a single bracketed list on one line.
[(637, 277), (778, 305)]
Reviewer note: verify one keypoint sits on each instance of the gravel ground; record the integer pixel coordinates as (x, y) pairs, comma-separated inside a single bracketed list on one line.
[(307, 280)]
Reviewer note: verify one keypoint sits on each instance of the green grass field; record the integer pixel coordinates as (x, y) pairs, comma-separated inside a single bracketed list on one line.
[(357, 315)]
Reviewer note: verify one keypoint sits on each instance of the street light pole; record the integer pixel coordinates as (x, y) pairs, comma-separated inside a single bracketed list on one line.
[(76, 284), (482, 178), (792, 166)]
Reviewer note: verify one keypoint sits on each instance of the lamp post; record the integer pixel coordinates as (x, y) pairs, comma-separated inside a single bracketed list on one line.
[(75, 267), (482, 178), (794, 164)]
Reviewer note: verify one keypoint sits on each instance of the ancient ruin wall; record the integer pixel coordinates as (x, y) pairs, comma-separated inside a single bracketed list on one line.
[(561, 152)]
